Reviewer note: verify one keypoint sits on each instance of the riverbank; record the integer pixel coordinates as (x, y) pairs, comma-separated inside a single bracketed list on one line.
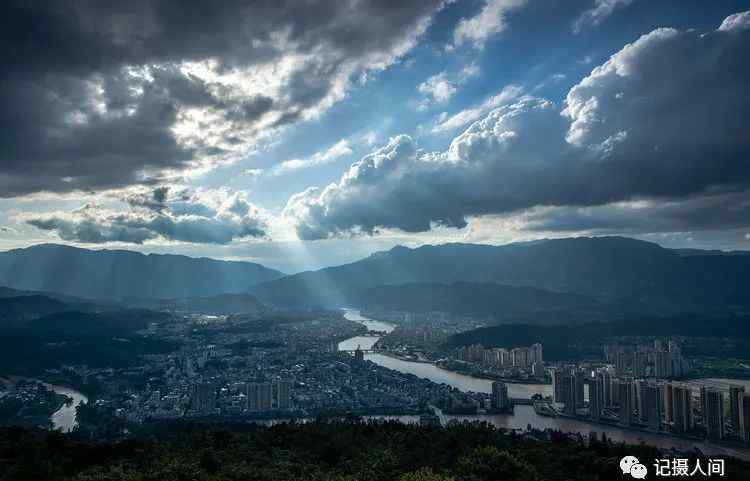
[(452, 366), (65, 418), (524, 416), (482, 376), (404, 358), (519, 421), (740, 448), (30, 402)]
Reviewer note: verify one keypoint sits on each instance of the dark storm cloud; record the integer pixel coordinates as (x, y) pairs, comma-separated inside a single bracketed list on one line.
[(702, 213), (92, 232), (155, 199), (92, 91), (664, 119), (212, 217)]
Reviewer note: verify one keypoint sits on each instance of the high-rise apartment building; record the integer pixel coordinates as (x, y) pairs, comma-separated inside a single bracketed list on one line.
[(520, 357), (736, 414), (203, 398), (499, 398), (283, 394), (663, 366), (537, 353), (640, 362), (682, 409), (606, 380), (596, 397), (668, 412), (557, 388), (580, 379), (713, 417), (746, 416), (568, 393), (627, 395), (259, 396), (651, 405)]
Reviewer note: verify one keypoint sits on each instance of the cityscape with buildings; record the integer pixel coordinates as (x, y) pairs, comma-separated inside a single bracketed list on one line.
[(240, 368), (374, 240), (640, 387), (518, 363), (656, 404)]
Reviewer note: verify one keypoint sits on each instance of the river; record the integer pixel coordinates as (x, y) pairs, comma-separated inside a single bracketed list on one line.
[(522, 416), (428, 370), (64, 419)]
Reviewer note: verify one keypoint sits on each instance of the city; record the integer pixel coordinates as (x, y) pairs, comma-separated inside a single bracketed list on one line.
[(239, 368), (374, 240)]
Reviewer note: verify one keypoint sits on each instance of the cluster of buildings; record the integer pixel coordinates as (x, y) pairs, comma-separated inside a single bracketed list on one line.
[(660, 360), (406, 318), (431, 323), (656, 404), (253, 397), (421, 335), (244, 368), (525, 359), (713, 404), (237, 369), (405, 338)]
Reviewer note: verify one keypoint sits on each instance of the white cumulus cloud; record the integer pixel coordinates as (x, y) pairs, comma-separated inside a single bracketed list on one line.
[(340, 149), (466, 116), (664, 120), (490, 21), (598, 13), (438, 87), (201, 217)]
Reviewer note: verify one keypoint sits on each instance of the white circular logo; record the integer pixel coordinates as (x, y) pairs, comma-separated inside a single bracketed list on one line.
[(627, 463), (638, 471)]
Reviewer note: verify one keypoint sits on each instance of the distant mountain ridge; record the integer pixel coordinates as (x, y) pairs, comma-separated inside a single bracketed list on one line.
[(117, 274), (17, 308), (608, 269), (628, 275), (40, 313), (729, 335), (474, 299), (17, 311)]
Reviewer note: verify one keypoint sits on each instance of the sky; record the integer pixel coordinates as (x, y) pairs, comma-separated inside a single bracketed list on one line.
[(307, 134)]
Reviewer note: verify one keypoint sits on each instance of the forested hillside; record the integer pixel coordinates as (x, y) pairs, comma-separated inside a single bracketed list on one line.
[(341, 451)]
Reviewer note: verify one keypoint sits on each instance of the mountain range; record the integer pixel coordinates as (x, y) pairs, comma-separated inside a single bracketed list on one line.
[(483, 299), (118, 274), (49, 312), (719, 336), (19, 308), (545, 277), (619, 272)]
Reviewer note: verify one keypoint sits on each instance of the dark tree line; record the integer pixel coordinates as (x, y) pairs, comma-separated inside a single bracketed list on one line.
[(338, 451)]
